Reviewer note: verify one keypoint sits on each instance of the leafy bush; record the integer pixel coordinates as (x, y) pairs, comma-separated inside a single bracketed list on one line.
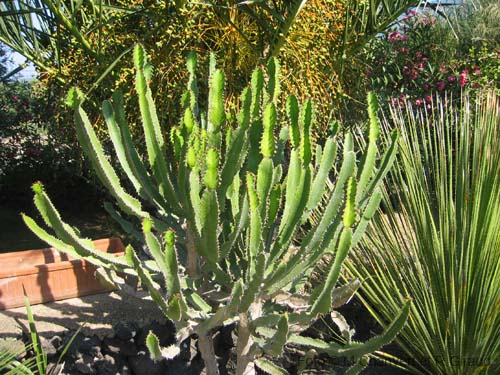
[(79, 43), (438, 239), (31, 149), (219, 216), (421, 57)]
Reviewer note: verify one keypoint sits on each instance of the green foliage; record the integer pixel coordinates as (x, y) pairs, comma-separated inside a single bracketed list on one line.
[(10, 363), (30, 145), (430, 52), (36, 364), (85, 43), (234, 257), (438, 239)]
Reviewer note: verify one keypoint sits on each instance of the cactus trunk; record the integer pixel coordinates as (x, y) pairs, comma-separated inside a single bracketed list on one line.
[(206, 346), (244, 364)]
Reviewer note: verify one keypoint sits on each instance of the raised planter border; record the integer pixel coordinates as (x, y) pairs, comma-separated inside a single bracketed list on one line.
[(50, 275)]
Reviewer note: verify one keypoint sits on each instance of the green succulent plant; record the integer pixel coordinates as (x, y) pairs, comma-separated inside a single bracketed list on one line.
[(222, 212)]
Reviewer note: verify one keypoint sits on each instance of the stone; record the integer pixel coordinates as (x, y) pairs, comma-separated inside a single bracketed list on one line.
[(73, 350), (90, 345), (142, 364), (114, 346), (85, 365), (48, 347), (125, 331), (107, 366), (111, 346), (57, 342)]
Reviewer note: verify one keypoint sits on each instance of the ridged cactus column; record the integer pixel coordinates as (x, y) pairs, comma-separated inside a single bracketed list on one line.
[(222, 207)]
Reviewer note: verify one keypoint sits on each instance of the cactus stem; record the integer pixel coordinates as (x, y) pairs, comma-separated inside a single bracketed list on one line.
[(244, 364), (192, 255), (206, 346)]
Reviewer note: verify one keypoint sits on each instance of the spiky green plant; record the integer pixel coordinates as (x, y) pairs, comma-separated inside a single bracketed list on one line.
[(439, 239), (10, 364), (219, 216)]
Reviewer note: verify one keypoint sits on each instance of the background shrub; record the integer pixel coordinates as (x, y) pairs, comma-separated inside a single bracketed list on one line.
[(431, 52), (31, 149)]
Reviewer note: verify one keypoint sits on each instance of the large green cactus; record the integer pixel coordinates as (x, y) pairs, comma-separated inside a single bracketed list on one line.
[(225, 218)]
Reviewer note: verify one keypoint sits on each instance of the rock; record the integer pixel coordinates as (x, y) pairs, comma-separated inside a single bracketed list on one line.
[(128, 348), (142, 364), (48, 347), (110, 365), (111, 346), (91, 346), (109, 359), (73, 350), (114, 346), (107, 366), (181, 367), (125, 331), (85, 365), (56, 341)]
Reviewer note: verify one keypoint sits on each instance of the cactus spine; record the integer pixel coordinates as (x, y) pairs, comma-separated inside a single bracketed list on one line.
[(237, 209)]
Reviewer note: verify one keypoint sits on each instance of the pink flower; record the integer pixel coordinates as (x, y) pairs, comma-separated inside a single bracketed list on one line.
[(419, 102), (441, 85), (420, 66), (451, 78), (462, 78), (428, 99), (426, 86), (476, 69), (14, 98), (428, 21), (394, 37)]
